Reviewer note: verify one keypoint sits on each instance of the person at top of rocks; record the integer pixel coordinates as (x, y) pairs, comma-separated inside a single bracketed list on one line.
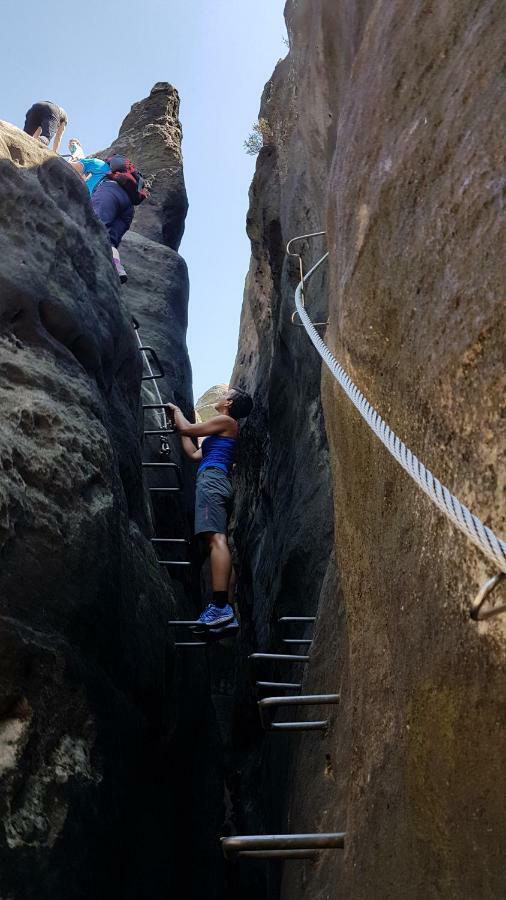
[(112, 198), (75, 149), (46, 120), (214, 493)]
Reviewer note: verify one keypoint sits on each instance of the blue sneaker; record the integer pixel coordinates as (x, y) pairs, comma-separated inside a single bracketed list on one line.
[(214, 616)]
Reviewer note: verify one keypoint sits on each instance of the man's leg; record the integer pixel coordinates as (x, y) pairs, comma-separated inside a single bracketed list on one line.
[(120, 227), (33, 119), (106, 207)]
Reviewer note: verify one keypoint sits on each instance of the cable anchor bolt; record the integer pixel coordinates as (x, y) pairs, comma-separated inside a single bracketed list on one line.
[(477, 613)]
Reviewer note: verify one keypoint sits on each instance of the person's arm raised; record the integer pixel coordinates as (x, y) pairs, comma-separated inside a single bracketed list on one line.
[(58, 136), (223, 425)]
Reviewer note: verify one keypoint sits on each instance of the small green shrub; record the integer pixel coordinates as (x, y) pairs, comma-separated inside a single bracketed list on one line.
[(261, 135)]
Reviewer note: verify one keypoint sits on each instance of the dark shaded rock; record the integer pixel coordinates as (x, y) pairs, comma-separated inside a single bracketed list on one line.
[(393, 121), (283, 520), (151, 136), (85, 663), (109, 750)]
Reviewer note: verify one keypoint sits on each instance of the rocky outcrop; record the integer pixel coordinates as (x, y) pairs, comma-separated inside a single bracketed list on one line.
[(85, 664), (158, 287), (385, 129), (97, 713), (205, 404), (151, 136)]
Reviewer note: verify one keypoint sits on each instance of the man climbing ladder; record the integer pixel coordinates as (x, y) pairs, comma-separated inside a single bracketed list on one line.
[(214, 491)]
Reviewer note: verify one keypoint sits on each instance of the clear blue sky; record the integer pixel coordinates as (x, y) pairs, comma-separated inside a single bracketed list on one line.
[(97, 59)]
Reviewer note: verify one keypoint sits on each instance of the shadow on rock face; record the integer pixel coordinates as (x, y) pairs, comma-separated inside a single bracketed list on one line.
[(85, 667)]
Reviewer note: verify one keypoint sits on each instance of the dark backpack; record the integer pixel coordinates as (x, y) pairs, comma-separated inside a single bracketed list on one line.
[(124, 173)]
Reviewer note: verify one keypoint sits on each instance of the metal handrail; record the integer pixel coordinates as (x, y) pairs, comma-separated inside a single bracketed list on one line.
[(163, 416), (302, 237), (161, 371), (324, 841)]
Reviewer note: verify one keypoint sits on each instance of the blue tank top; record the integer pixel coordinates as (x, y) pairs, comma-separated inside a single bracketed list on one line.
[(217, 452)]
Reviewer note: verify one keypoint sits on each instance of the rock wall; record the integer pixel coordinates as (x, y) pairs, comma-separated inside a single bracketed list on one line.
[(283, 530), (151, 136), (157, 290), (386, 129), (84, 664), (97, 711)]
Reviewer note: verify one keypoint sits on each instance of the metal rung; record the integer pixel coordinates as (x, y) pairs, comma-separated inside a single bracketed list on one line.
[(161, 373), (173, 562), (300, 700), (297, 619), (154, 405), (169, 541), (298, 726), (166, 465), (190, 644), (282, 685), (324, 841), (296, 641), (289, 657), (297, 700), (188, 622), (279, 854)]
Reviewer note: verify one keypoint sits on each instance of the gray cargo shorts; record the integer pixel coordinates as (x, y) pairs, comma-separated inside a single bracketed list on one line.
[(213, 501)]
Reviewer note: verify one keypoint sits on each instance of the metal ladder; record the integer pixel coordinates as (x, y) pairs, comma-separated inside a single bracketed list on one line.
[(155, 372), (286, 846)]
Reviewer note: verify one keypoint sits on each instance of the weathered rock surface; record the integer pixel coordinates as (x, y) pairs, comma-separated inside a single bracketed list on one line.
[(151, 136), (283, 529), (157, 289), (205, 404), (96, 711), (387, 129), (85, 663)]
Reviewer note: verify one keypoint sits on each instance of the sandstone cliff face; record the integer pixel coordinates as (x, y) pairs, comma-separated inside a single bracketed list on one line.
[(151, 136), (96, 710), (386, 127), (157, 289), (283, 522), (84, 662)]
